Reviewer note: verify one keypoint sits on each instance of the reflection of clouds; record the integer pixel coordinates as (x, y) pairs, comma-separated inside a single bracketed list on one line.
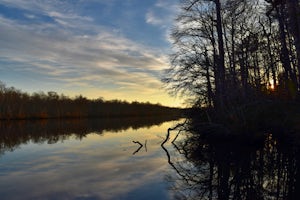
[(101, 167), (124, 177)]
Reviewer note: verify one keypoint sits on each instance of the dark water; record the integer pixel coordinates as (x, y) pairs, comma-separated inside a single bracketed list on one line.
[(263, 166), (97, 159)]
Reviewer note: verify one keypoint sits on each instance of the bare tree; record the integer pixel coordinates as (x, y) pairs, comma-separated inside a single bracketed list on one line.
[(229, 53)]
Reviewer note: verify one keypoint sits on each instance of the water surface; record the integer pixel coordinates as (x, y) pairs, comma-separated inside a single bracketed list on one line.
[(131, 159), (84, 159)]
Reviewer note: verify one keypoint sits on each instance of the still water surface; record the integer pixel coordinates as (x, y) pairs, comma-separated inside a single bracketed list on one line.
[(53, 160), (125, 159)]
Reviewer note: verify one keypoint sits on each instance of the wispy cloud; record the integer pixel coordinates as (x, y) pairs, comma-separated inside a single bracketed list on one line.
[(74, 50), (162, 14)]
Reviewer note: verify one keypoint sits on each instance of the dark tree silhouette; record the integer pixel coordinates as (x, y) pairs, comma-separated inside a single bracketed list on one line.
[(15, 104), (233, 53)]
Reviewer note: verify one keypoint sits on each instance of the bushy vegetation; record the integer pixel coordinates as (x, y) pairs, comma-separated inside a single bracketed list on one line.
[(15, 104)]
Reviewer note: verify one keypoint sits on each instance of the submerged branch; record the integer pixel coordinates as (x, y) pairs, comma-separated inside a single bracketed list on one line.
[(141, 146), (137, 142), (171, 129)]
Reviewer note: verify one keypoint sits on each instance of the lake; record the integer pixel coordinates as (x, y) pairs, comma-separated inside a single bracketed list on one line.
[(92, 159), (125, 159)]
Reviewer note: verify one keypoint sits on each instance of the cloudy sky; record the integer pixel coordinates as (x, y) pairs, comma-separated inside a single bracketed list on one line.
[(115, 49)]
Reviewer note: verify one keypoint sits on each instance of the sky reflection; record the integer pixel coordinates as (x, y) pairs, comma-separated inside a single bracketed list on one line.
[(95, 167)]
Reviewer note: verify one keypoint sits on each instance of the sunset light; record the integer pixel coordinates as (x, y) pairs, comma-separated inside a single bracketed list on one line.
[(150, 99), (271, 85), (112, 49)]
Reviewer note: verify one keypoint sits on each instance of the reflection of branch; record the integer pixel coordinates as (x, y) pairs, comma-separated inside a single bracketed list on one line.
[(146, 145), (169, 158), (172, 164), (171, 129), (173, 142), (167, 138), (137, 142), (181, 151)]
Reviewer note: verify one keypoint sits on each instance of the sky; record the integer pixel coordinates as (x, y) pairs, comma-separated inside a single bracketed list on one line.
[(114, 49)]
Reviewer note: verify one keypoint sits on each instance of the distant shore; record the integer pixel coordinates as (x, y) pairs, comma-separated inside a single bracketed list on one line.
[(18, 105)]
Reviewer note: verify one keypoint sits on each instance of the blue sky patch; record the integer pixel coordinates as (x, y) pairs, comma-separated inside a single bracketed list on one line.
[(76, 46)]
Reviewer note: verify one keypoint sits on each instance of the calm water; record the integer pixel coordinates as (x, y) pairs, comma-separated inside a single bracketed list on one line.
[(124, 159), (84, 160)]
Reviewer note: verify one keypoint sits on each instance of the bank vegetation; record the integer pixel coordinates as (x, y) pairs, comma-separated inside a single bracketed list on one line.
[(237, 60), (15, 104)]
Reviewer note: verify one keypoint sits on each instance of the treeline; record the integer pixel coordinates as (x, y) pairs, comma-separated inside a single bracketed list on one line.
[(229, 53), (15, 104)]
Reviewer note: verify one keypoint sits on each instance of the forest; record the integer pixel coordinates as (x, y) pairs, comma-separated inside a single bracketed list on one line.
[(234, 56), (238, 61), (15, 104), (234, 169)]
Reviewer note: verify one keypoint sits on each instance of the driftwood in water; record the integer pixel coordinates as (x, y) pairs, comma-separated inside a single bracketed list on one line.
[(171, 129), (141, 146)]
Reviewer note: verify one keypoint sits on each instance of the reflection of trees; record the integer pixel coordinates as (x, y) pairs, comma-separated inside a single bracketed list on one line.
[(15, 133), (234, 169)]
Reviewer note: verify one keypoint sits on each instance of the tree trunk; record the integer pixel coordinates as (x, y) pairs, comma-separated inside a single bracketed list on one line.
[(269, 50), (294, 25), (284, 57), (221, 64), (209, 88)]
